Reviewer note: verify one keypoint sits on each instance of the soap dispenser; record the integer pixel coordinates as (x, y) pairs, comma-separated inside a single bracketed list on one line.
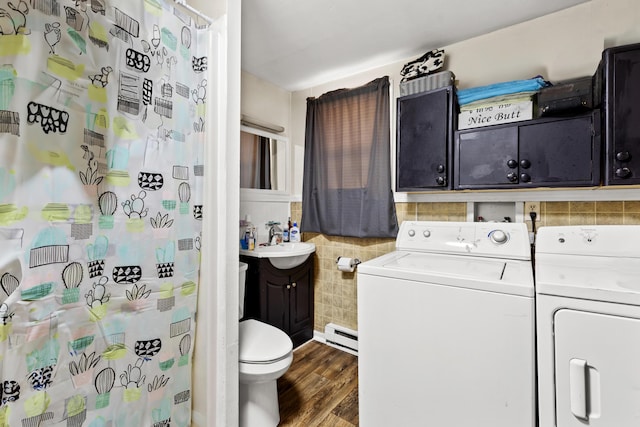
[(294, 233)]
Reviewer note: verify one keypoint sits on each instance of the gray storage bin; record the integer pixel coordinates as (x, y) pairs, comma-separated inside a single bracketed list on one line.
[(427, 83)]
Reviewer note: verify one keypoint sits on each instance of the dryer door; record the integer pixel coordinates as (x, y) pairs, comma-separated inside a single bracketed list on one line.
[(597, 369)]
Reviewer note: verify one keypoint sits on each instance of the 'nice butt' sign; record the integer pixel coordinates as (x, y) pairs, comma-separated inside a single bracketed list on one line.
[(495, 114)]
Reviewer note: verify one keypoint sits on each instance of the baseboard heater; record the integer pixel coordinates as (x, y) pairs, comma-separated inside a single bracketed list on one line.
[(340, 337)]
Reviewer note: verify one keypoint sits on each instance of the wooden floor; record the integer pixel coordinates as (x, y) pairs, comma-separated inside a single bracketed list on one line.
[(320, 388)]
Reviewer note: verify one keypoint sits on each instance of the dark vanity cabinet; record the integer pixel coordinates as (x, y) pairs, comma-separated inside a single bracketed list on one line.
[(281, 297), (554, 152), (425, 126), (619, 77)]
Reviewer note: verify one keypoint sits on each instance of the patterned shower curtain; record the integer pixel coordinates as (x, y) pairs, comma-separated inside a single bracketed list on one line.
[(102, 120)]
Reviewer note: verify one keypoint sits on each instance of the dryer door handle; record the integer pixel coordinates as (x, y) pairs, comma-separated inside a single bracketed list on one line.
[(578, 388)]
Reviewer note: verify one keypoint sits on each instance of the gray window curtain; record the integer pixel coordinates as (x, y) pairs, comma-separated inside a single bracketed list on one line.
[(347, 175)]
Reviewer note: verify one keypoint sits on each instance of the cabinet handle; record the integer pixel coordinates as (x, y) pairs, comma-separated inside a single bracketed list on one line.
[(512, 176), (441, 180), (525, 164), (294, 284), (512, 163), (288, 286), (623, 156), (440, 169), (623, 172), (525, 177)]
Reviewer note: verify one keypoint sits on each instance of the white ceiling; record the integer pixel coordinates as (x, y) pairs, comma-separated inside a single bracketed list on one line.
[(297, 44)]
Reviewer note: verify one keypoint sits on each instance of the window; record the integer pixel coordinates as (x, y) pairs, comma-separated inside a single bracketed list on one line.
[(347, 174)]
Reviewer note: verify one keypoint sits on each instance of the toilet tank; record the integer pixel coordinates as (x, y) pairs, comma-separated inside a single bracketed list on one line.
[(241, 281)]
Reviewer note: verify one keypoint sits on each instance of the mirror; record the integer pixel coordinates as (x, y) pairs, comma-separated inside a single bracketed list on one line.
[(263, 159)]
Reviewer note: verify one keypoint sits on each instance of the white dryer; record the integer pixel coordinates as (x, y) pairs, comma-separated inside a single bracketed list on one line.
[(446, 328), (588, 320)]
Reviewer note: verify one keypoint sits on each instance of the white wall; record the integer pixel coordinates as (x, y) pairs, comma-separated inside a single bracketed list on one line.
[(265, 101), (268, 103), (559, 46)]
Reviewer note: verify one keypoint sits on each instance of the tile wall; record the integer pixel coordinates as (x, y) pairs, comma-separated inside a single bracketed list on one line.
[(590, 213), (335, 291)]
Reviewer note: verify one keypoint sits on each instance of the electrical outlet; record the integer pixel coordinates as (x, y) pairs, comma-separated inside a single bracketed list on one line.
[(532, 207)]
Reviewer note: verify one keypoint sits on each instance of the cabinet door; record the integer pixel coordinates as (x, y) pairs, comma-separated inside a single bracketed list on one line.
[(274, 298), (622, 92), (487, 157), (424, 140), (301, 304), (559, 153), (597, 369)]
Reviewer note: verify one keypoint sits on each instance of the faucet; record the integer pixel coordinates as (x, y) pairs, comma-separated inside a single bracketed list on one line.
[(275, 233)]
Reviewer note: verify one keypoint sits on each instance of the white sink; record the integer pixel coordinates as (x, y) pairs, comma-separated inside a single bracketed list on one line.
[(284, 255)]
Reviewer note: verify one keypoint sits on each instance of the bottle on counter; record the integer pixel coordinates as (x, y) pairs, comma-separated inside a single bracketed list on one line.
[(252, 239), (287, 231), (294, 233), (248, 240)]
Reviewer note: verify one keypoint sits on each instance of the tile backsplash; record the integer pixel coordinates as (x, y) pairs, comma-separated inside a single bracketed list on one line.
[(590, 213), (336, 291)]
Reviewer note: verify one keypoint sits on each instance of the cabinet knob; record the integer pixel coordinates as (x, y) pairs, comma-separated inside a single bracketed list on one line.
[(440, 168), (525, 177), (512, 176), (441, 180), (623, 156), (512, 163), (294, 284), (525, 164), (288, 286), (623, 172)]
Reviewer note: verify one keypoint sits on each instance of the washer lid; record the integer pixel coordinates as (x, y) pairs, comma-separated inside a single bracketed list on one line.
[(477, 268), (262, 343), (512, 277)]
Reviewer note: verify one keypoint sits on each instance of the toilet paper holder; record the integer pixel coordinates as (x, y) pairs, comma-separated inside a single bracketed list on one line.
[(347, 264)]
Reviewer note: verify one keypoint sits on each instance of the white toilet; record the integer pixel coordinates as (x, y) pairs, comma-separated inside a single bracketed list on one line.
[(265, 354)]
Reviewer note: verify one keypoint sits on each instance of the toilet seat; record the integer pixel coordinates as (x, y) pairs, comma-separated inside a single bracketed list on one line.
[(261, 343)]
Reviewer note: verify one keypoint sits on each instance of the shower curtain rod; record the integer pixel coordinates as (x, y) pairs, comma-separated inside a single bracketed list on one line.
[(184, 4)]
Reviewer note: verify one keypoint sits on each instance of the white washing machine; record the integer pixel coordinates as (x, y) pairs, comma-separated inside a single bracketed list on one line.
[(446, 328), (588, 319)]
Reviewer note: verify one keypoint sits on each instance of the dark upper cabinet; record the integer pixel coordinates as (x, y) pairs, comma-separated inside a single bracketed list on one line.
[(550, 152), (484, 156), (619, 77), (565, 152), (282, 298), (425, 125)]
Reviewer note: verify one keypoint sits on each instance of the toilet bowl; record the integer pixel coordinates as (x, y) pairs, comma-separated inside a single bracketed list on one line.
[(265, 354)]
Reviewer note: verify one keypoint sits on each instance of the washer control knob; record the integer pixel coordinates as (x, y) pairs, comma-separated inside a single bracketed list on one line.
[(499, 237), (412, 233), (426, 234)]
